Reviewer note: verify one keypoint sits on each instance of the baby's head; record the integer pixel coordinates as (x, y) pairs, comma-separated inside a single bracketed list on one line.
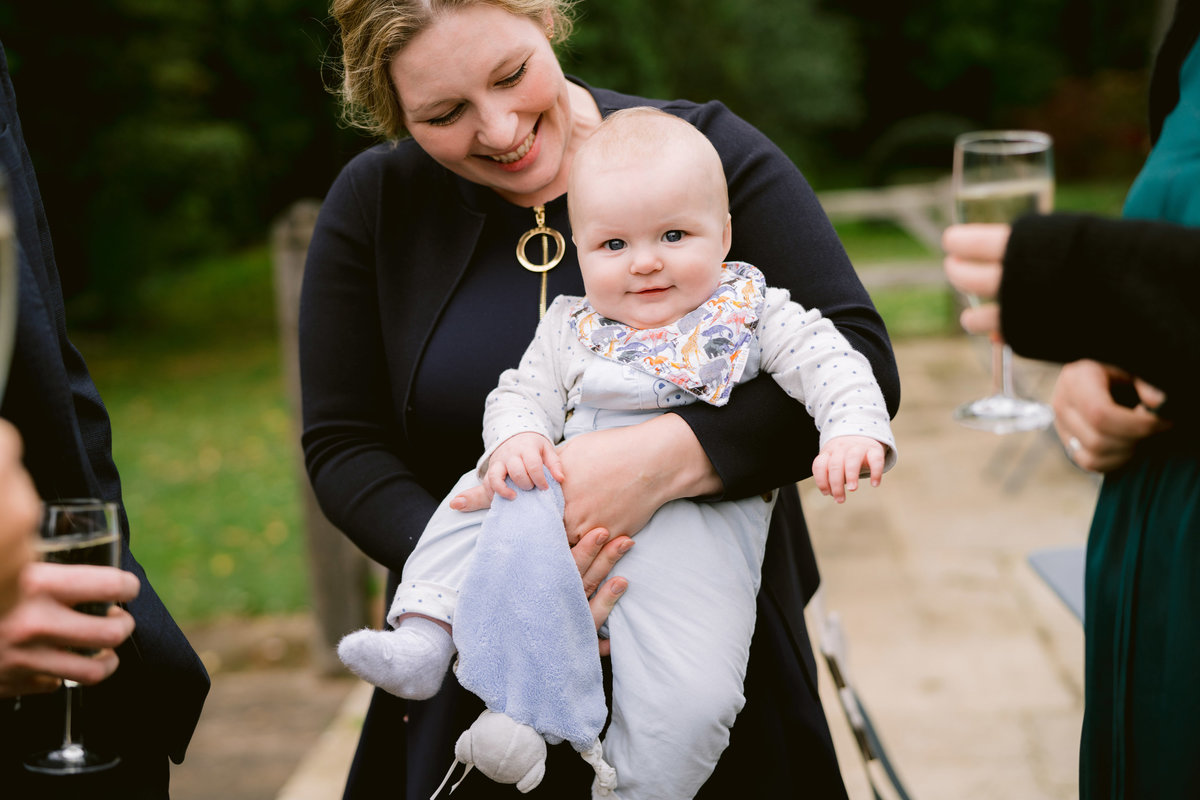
[(650, 217)]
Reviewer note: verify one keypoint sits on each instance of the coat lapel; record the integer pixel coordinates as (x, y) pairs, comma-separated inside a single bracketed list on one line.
[(441, 245)]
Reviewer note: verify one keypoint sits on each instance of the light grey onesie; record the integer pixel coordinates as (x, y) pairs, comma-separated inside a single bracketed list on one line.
[(681, 633)]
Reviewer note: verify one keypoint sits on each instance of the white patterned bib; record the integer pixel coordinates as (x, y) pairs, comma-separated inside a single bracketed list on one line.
[(704, 352)]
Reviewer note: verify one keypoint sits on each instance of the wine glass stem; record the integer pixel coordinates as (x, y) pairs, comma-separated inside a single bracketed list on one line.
[(71, 736), (998, 382), (1002, 372), (1006, 371)]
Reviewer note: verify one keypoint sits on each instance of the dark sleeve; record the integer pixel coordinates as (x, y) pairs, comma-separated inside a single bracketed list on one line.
[(1119, 291), (763, 439), (44, 292), (352, 446)]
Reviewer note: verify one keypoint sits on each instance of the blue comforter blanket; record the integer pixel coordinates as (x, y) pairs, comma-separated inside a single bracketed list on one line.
[(525, 636)]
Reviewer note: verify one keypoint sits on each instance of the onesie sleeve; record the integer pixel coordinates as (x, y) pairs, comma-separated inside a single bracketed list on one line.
[(816, 365), (533, 396)]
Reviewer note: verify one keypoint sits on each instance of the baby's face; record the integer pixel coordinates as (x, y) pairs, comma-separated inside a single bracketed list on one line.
[(651, 238)]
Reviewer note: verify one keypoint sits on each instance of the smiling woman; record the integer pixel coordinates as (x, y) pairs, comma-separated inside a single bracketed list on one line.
[(414, 302), (515, 132), (371, 33)]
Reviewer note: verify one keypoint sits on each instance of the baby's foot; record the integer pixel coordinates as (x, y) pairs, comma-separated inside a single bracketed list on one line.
[(407, 662)]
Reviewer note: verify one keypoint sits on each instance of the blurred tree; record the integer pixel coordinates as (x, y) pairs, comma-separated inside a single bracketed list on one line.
[(937, 67), (787, 66), (165, 129)]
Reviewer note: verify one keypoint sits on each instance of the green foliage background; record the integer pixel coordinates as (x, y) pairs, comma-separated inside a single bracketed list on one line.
[(166, 130)]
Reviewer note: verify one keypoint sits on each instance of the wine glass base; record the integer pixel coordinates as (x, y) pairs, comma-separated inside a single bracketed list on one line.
[(70, 760), (1003, 414)]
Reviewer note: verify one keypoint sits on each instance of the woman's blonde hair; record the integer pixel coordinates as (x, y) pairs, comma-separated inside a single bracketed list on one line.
[(374, 31)]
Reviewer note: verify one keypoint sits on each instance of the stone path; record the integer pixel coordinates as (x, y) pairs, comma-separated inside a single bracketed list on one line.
[(969, 664)]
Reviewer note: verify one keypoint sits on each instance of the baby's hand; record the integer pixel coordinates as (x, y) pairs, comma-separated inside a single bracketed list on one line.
[(841, 462), (522, 457)]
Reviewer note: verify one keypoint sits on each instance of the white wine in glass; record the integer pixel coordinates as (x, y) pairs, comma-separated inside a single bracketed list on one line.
[(999, 176), (83, 531)]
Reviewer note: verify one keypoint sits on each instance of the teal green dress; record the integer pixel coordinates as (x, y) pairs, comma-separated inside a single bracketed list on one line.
[(1141, 732)]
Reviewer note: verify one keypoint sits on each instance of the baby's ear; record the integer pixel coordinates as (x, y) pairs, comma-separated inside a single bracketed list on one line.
[(727, 235)]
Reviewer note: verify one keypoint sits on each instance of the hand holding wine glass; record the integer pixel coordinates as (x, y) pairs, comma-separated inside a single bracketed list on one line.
[(974, 265), (68, 598), (998, 176)]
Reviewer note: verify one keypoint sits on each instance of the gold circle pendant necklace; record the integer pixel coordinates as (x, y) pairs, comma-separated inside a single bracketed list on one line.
[(549, 262)]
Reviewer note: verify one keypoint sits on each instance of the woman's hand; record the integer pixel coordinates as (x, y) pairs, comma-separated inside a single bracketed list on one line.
[(1099, 433), (617, 478), (595, 555), (973, 265)]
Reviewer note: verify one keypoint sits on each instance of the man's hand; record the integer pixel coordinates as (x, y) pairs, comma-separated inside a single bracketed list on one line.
[(19, 509), (37, 634)]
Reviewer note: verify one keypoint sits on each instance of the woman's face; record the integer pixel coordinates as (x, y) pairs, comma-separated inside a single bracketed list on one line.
[(483, 94)]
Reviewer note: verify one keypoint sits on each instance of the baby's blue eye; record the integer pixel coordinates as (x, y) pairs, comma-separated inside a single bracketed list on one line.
[(673, 236), (614, 244)]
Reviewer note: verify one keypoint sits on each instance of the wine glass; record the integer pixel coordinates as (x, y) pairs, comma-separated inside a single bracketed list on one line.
[(83, 531), (8, 281), (998, 176)]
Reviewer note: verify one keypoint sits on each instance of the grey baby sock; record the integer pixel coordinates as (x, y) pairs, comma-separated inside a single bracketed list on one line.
[(407, 662)]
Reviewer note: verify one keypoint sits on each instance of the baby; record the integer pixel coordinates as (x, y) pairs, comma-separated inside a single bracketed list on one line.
[(665, 322)]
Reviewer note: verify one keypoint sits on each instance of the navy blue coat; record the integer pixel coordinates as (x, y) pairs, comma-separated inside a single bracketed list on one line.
[(148, 709)]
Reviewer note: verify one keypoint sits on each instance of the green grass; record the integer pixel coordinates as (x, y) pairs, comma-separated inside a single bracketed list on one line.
[(918, 311), (926, 310), (203, 438), (868, 242), (1094, 198)]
